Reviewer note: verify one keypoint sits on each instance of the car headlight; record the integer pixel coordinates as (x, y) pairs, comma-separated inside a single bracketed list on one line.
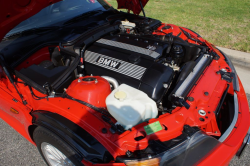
[(149, 162), (189, 150)]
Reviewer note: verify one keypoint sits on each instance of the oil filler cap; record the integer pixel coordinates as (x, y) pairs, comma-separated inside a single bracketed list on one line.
[(120, 95)]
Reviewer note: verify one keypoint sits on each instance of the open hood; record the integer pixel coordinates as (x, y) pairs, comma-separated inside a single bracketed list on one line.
[(133, 5), (15, 11)]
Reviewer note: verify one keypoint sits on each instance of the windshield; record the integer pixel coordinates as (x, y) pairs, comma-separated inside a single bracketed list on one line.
[(59, 12)]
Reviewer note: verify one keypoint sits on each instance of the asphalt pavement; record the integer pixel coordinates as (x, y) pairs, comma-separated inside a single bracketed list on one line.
[(16, 150), (244, 74)]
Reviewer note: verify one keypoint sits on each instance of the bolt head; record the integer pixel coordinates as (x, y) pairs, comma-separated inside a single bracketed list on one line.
[(165, 86), (224, 70), (202, 112), (190, 98)]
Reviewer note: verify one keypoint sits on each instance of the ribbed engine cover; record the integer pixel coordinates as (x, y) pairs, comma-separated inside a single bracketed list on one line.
[(130, 60)]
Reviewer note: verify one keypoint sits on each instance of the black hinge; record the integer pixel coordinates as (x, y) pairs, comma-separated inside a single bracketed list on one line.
[(48, 88), (180, 101), (215, 56), (227, 76)]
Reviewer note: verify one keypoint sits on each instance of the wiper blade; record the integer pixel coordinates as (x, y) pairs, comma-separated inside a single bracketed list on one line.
[(82, 16), (40, 30)]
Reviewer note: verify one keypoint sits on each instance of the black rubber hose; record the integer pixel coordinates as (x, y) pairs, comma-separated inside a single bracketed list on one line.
[(100, 110), (67, 62)]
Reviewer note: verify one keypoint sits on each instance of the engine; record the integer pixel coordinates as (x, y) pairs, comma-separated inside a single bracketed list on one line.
[(131, 60), (147, 73)]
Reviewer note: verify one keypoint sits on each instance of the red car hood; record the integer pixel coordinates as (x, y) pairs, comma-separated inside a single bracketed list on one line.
[(15, 11), (133, 5)]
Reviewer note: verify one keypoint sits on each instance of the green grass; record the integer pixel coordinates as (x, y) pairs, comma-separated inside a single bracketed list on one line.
[(225, 23)]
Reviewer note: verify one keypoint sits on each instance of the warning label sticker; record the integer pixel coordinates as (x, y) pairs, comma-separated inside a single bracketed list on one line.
[(153, 128)]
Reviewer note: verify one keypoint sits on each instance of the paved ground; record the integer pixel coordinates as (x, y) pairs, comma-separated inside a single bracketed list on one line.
[(16, 150), (237, 57), (244, 74)]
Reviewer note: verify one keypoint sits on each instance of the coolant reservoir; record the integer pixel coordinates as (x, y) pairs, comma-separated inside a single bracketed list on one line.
[(128, 25), (130, 106)]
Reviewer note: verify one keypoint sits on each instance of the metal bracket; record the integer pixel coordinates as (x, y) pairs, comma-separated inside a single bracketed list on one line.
[(215, 56), (227, 76), (48, 88), (180, 101)]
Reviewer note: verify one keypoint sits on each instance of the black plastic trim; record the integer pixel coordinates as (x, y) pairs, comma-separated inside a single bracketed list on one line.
[(71, 68), (81, 141), (30, 82), (24, 57), (194, 32), (91, 35), (235, 118), (59, 80), (217, 111), (233, 73), (187, 149)]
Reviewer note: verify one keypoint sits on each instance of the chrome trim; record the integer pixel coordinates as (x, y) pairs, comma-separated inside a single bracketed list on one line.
[(54, 156), (248, 141), (248, 135), (231, 127), (111, 81)]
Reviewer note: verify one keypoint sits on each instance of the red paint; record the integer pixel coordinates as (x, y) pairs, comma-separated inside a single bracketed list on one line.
[(21, 121), (223, 154), (178, 31), (133, 5), (175, 30), (94, 91), (15, 11), (41, 55), (118, 144)]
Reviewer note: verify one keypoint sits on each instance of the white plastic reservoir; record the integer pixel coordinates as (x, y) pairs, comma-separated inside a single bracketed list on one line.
[(130, 106)]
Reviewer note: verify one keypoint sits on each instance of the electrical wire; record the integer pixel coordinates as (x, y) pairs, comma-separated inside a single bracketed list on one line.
[(35, 96)]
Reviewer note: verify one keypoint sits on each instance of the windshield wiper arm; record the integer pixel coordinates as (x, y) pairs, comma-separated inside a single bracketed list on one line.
[(82, 16)]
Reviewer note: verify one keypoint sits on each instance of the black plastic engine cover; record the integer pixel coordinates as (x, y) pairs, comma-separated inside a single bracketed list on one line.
[(130, 60)]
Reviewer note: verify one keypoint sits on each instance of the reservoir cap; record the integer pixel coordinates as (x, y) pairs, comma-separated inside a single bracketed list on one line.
[(120, 95)]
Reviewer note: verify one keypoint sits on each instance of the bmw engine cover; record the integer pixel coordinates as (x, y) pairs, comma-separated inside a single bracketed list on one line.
[(131, 60)]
